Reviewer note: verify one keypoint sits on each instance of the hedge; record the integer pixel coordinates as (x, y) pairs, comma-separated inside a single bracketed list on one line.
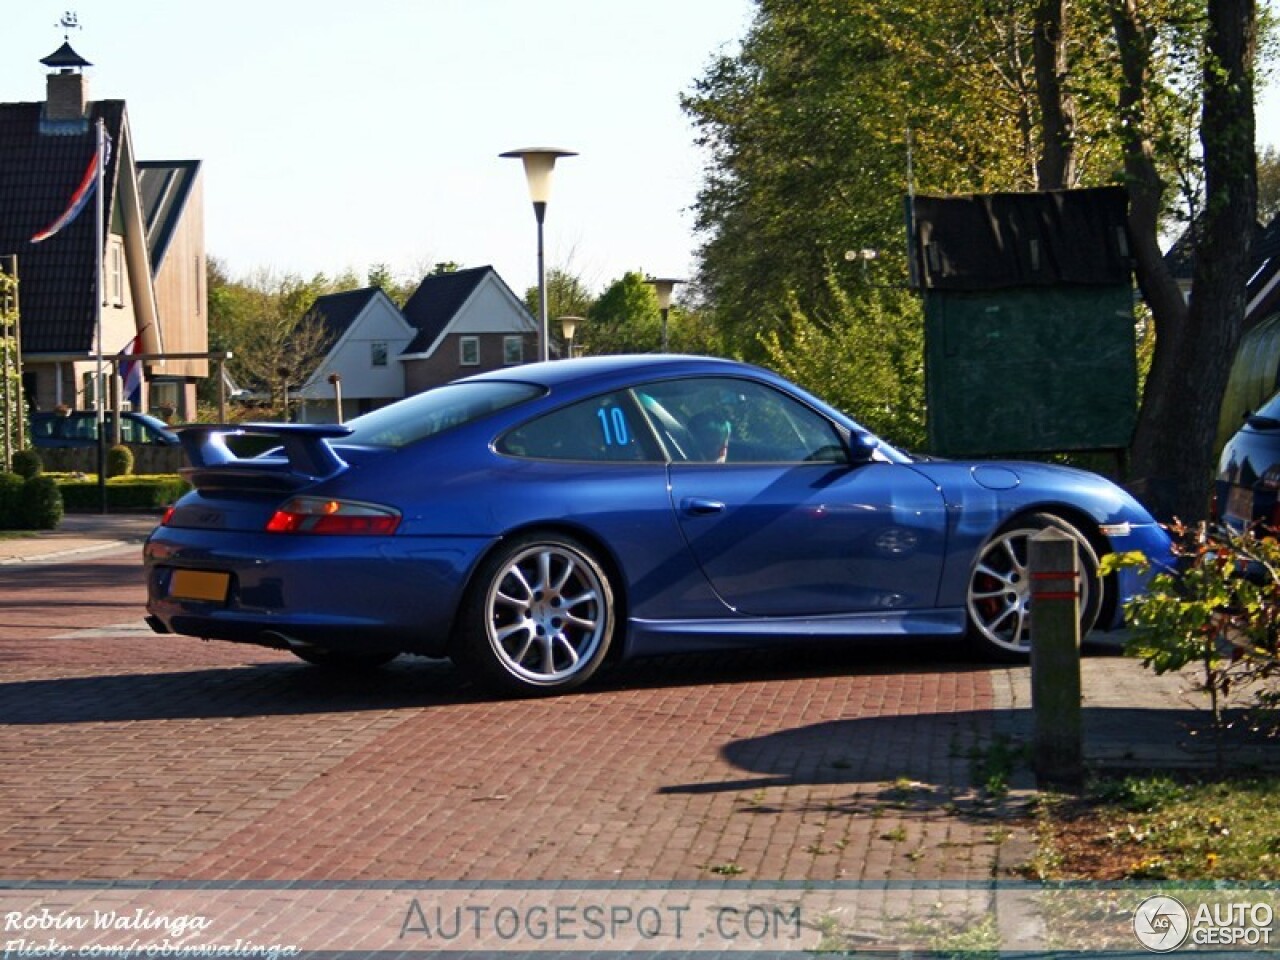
[(31, 503), (149, 492)]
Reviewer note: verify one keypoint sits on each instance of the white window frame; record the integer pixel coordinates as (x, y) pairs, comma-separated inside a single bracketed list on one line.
[(378, 353), (474, 344), (115, 273), (513, 345)]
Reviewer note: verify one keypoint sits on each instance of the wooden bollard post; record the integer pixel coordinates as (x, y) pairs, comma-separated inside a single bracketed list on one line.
[(1055, 658)]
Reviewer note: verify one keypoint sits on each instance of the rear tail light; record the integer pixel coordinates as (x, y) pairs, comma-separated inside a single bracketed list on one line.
[(333, 517)]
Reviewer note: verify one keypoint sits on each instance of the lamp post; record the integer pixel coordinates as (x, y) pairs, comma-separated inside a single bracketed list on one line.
[(335, 380), (569, 326), (662, 288), (538, 164)]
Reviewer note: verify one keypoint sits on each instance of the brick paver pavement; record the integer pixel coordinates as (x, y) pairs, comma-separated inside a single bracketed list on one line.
[(126, 755)]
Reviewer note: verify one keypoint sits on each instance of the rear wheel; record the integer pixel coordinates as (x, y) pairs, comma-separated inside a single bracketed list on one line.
[(538, 617), (999, 597)]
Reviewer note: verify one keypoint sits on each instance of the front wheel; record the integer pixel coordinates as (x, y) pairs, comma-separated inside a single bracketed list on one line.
[(999, 597), (538, 617)]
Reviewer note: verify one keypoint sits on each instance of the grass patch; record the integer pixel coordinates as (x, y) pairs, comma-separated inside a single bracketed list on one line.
[(1164, 828)]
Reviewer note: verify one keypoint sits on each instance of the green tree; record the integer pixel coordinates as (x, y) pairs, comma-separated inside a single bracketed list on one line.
[(1173, 447), (1268, 184), (399, 289), (831, 113), (12, 403), (567, 296), (806, 128), (865, 358), (264, 321), (624, 319)]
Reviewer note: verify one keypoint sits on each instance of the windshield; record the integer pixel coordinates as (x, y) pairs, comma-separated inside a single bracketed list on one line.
[(426, 414)]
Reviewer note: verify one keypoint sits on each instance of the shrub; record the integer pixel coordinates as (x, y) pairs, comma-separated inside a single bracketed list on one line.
[(149, 492), (27, 464), (41, 504), (119, 461), (10, 501), (1220, 611)]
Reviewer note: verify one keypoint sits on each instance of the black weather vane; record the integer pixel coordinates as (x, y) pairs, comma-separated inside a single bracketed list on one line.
[(68, 23)]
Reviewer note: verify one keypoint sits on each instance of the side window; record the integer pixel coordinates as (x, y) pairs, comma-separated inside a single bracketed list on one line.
[(605, 428), (725, 420)]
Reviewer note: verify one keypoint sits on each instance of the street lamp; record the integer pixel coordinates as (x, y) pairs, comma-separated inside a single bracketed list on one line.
[(569, 326), (335, 380), (662, 287), (538, 164)]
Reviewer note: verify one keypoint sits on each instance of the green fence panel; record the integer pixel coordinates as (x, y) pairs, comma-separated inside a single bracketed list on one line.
[(1024, 371)]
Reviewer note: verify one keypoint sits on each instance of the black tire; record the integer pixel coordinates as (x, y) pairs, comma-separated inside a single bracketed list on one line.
[(339, 660), (998, 598), (538, 617)]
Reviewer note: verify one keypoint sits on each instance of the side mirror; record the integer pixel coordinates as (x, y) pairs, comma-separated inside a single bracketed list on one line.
[(862, 446)]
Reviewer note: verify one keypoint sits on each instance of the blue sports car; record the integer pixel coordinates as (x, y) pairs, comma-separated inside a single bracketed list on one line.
[(537, 522)]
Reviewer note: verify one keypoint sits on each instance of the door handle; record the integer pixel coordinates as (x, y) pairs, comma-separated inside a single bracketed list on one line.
[(701, 506)]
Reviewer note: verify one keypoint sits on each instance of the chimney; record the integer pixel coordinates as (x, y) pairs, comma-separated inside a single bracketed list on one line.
[(68, 96), (68, 88)]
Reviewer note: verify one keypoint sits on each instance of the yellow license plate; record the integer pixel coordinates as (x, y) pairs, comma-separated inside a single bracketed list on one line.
[(199, 585)]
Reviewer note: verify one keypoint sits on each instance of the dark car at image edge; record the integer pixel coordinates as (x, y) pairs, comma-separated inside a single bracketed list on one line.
[(537, 522), (1245, 494)]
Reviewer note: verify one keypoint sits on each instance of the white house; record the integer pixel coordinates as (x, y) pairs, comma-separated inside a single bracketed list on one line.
[(367, 334), (453, 325)]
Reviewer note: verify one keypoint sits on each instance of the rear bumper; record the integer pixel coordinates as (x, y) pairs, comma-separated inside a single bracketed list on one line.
[(349, 594)]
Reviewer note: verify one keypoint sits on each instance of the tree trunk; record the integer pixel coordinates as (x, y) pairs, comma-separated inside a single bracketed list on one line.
[(1056, 166), (1173, 446)]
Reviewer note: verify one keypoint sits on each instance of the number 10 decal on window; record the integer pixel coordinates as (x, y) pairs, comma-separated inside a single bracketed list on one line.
[(613, 424)]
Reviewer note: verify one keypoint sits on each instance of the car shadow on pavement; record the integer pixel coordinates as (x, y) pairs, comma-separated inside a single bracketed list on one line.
[(289, 688), (258, 690)]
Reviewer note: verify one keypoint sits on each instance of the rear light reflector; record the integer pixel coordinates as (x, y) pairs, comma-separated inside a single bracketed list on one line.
[(333, 517)]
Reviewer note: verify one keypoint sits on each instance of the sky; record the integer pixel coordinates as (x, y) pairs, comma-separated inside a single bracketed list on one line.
[(337, 135)]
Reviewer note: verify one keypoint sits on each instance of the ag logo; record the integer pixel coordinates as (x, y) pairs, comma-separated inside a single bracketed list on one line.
[(1161, 924)]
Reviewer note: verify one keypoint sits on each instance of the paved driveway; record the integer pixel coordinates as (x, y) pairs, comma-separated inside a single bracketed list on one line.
[(127, 755)]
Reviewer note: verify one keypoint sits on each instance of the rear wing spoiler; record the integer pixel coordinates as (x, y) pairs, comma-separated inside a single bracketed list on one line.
[(306, 455)]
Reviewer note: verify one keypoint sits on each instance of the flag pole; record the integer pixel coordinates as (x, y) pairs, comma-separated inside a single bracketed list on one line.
[(99, 240)]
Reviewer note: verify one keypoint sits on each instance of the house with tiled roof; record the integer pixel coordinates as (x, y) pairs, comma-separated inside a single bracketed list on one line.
[(453, 325), (366, 332), (468, 321), (153, 256)]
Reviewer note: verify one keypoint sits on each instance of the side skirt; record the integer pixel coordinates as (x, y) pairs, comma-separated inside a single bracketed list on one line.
[(656, 637)]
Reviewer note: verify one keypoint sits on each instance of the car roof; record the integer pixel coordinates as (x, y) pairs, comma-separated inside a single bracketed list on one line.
[(551, 374)]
